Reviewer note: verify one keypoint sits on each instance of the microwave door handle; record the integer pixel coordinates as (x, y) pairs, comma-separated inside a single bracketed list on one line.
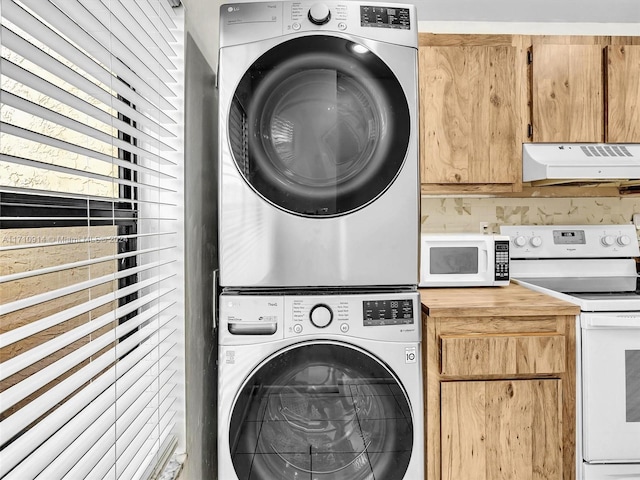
[(483, 260)]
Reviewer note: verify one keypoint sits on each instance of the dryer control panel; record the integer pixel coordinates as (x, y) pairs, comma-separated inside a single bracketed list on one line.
[(385, 16), (377, 316), (242, 23)]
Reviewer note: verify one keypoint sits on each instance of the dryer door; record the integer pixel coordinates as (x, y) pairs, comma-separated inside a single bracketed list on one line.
[(321, 410), (319, 126)]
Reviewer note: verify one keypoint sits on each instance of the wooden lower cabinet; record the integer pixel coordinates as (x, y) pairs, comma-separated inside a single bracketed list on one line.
[(500, 385), (501, 429)]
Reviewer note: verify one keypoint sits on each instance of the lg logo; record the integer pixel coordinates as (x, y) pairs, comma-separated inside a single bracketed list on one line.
[(233, 9)]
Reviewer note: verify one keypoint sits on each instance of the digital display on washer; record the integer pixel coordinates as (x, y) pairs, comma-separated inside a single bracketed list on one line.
[(569, 237), (387, 312), (386, 17)]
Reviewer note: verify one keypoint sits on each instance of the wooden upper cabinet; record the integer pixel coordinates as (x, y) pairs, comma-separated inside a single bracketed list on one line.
[(479, 95), (470, 123), (623, 93), (567, 91)]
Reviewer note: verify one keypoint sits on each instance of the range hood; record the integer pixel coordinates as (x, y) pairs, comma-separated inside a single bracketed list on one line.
[(588, 163)]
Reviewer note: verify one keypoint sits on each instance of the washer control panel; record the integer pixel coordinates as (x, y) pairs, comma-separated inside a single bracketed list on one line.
[(383, 316), (342, 314), (572, 241), (387, 312)]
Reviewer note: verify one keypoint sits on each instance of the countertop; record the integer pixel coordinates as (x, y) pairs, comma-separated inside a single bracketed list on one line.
[(492, 301)]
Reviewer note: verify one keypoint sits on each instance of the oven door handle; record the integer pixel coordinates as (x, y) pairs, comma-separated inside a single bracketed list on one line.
[(627, 322)]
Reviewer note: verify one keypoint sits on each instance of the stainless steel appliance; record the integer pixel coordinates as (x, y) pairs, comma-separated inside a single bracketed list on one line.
[(320, 386), (594, 267), (464, 260), (318, 125)]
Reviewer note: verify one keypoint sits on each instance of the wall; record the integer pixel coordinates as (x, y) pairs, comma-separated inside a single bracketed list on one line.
[(457, 214), (544, 11), (201, 259), (202, 24)]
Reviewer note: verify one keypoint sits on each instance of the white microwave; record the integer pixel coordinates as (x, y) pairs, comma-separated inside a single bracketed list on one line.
[(464, 260)]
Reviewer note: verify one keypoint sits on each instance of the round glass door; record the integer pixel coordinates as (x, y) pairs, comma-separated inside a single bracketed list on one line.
[(319, 126), (321, 411)]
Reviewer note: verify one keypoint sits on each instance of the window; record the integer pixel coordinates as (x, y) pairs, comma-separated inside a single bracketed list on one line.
[(91, 280)]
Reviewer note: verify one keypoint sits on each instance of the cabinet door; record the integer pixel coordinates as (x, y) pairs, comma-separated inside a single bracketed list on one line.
[(623, 93), (501, 430), (469, 355), (468, 115), (567, 93)]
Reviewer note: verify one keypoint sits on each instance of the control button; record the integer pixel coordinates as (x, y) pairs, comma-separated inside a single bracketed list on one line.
[(297, 328), (535, 241), (319, 14), (519, 241), (295, 26), (321, 315), (624, 240), (607, 240), (344, 328), (342, 26)]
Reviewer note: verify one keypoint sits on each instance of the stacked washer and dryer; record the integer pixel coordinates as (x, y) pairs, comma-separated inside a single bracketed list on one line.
[(319, 317)]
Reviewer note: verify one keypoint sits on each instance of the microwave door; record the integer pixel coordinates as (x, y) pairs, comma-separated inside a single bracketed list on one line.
[(462, 264), (471, 259), (456, 260)]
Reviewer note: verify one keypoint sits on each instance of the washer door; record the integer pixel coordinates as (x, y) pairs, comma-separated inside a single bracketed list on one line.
[(319, 126), (321, 410)]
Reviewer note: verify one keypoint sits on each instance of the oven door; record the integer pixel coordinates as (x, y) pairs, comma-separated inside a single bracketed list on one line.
[(611, 387)]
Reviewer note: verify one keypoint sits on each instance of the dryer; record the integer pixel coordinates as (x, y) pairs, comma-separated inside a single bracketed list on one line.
[(319, 182), (320, 387)]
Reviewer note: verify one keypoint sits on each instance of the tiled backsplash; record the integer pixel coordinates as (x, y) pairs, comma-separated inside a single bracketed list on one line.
[(464, 214)]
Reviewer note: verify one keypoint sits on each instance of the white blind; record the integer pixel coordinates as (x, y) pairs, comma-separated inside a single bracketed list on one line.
[(91, 229)]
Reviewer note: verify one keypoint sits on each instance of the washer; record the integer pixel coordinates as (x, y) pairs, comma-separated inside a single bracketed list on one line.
[(319, 183), (320, 387)]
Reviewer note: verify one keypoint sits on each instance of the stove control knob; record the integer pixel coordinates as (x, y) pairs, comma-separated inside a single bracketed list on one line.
[(321, 315), (624, 240), (519, 241), (319, 14), (535, 241), (607, 240)]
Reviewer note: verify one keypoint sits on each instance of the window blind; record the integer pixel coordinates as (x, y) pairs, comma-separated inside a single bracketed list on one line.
[(91, 229)]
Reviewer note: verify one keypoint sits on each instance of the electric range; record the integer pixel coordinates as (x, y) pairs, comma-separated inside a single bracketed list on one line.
[(594, 266)]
